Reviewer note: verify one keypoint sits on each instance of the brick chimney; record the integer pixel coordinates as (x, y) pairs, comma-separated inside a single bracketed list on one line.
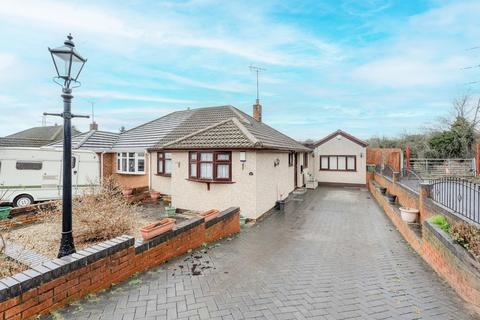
[(257, 111), (93, 126)]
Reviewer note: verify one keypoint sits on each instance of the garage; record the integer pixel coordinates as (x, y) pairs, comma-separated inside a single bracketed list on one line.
[(340, 159)]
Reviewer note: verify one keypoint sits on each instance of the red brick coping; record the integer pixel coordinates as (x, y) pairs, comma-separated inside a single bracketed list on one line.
[(57, 282)]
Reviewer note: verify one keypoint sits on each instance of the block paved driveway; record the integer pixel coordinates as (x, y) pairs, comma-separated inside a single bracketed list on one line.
[(333, 255)]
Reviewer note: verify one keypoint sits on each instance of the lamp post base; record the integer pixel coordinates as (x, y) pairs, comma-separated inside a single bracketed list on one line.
[(67, 246)]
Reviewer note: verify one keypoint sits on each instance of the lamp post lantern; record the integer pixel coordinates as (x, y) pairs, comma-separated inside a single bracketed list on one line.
[(68, 65)]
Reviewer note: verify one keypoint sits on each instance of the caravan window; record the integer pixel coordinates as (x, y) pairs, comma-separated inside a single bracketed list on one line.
[(29, 165)]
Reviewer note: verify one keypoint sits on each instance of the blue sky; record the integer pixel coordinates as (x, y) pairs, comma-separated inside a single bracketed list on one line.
[(371, 67)]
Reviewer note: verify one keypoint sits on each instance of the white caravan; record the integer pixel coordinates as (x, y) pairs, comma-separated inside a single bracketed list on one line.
[(28, 175)]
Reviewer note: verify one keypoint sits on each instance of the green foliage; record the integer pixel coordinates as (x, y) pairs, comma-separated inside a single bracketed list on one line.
[(440, 221), (457, 142), (453, 137)]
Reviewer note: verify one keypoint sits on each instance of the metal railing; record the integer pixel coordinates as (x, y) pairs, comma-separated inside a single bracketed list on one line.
[(384, 170), (434, 168), (410, 179), (459, 195)]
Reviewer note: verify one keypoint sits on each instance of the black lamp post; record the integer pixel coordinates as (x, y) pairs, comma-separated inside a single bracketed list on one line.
[(68, 64)]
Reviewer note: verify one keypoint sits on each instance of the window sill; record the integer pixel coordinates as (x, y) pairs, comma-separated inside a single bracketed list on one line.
[(211, 181), (168, 175), (132, 173)]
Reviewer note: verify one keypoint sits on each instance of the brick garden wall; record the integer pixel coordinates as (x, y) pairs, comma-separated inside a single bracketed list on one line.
[(23, 216), (452, 262), (60, 281)]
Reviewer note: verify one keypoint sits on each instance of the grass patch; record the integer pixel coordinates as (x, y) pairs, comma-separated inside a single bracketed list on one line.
[(441, 221)]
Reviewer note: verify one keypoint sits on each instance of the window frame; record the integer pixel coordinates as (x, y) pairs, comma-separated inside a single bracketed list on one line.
[(291, 156), (161, 156), (38, 165), (346, 156), (215, 162), (126, 157), (305, 160)]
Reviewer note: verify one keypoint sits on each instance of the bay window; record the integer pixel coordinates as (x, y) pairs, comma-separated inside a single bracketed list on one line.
[(210, 166), (164, 163), (131, 162), (338, 163)]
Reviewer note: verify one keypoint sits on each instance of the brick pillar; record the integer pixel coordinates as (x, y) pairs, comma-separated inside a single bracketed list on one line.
[(425, 192), (396, 177)]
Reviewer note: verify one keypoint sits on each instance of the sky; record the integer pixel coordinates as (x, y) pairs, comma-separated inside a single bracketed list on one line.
[(370, 67)]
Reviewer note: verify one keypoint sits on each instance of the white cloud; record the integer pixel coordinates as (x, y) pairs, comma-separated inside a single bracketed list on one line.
[(133, 97), (409, 71)]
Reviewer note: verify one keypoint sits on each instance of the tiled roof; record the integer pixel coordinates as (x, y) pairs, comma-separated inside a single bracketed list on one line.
[(343, 134), (197, 119), (213, 127), (92, 140), (49, 133), (225, 134), (18, 142), (34, 137)]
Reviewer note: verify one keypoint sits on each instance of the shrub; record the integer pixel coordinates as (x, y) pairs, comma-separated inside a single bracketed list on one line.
[(468, 236), (9, 267), (100, 215), (440, 221)]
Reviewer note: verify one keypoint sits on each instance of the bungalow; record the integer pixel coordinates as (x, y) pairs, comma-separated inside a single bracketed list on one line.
[(341, 160), (214, 157)]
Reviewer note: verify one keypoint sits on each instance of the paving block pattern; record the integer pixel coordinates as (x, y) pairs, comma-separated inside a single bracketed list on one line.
[(334, 255)]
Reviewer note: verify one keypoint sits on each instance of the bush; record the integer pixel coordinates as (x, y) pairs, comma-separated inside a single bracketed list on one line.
[(440, 221), (100, 215), (468, 236), (9, 267)]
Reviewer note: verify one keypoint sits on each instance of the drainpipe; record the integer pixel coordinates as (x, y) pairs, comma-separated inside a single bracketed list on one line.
[(101, 167), (149, 170)]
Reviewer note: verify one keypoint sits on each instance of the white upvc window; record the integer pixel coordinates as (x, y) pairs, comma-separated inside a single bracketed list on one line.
[(131, 162)]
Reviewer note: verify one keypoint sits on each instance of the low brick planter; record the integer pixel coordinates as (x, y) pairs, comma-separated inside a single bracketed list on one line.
[(451, 261), (57, 282)]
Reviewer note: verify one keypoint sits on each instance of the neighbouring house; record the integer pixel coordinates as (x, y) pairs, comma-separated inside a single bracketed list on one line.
[(35, 137), (340, 160), (98, 141), (214, 157)]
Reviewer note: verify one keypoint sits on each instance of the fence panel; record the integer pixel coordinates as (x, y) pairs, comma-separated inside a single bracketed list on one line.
[(459, 195)]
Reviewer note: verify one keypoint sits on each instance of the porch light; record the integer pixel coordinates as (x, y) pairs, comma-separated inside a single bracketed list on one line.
[(243, 156), (67, 61)]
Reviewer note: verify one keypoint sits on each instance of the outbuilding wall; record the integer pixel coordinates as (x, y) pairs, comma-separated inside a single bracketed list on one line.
[(340, 145)]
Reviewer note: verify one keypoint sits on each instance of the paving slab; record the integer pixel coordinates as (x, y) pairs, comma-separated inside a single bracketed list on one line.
[(334, 255)]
